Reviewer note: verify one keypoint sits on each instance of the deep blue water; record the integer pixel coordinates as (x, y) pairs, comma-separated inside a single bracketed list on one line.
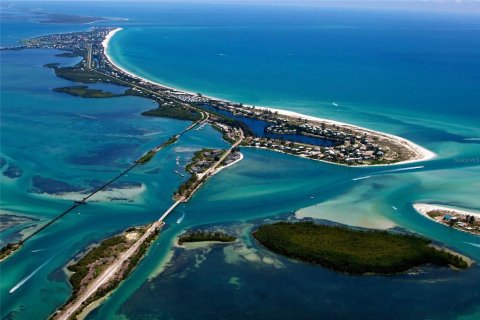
[(414, 74)]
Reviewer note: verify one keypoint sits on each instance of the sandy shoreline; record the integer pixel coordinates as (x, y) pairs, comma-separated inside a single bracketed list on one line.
[(424, 208), (230, 164), (423, 154)]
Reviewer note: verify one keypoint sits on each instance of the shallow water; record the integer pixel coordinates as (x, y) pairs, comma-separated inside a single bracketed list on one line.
[(394, 79)]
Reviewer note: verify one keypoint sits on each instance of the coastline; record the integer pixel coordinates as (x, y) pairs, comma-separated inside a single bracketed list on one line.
[(423, 208), (439, 212), (228, 165), (422, 153)]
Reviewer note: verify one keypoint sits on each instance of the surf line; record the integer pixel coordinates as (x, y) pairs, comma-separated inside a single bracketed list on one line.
[(22, 282)]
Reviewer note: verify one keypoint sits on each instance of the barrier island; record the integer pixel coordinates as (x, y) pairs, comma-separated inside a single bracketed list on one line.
[(354, 251), (113, 260), (277, 130)]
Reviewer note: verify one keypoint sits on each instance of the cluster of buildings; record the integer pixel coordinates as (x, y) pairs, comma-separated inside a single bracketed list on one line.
[(69, 41), (349, 145), (348, 154), (205, 160), (468, 223)]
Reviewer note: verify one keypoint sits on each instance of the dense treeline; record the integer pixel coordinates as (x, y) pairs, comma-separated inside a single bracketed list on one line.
[(199, 235), (352, 251), (175, 111), (85, 92), (150, 154), (78, 74)]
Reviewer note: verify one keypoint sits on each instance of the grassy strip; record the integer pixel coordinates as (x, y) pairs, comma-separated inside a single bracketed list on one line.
[(352, 251), (85, 92), (81, 268), (130, 266), (196, 236)]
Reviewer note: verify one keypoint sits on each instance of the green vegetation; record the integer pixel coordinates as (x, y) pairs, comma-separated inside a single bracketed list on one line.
[(79, 74), (81, 268), (85, 92), (105, 250), (51, 65), (186, 188), (200, 162), (197, 156), (224, 134), (150, 154), (175, 111), (196, 236), (67, 54), (9, 249), (382, 161), (131, 264), (146, 157), (170, 141), (352, 251)]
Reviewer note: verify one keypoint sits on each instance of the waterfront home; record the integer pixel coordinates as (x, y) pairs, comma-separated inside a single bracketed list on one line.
[(449, 218)]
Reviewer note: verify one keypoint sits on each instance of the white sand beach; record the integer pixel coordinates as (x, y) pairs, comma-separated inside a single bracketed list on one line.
[(424, 208), (422, 154)]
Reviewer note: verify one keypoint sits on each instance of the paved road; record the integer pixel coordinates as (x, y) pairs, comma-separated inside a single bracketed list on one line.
[(115, 267)]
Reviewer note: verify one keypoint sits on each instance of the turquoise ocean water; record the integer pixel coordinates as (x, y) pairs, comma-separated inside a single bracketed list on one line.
[(411, 74)]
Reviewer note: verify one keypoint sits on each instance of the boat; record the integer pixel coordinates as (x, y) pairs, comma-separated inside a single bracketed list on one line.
[(201, 126), (335, 104), (180, 174), (179, 220), (177, 160)]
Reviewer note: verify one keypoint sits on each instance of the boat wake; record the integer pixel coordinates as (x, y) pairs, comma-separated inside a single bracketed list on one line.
[(152, 133), (394, 208), (21, 283), (179, 220), (361, 178), (401, 169), (474, 244), (85, 116)]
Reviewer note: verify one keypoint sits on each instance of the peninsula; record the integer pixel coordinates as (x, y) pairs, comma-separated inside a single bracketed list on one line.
[(354, 251), (458, 219), (273, 129)]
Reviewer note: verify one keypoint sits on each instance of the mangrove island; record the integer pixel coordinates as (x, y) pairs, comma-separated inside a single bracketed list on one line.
[(354, 251)]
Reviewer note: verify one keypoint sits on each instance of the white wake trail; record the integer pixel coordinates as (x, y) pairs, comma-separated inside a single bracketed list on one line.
[(21, 283)]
